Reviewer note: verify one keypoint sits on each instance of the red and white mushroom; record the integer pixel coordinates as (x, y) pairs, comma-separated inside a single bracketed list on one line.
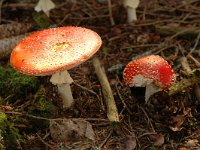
[(152, 72), (53, 52)]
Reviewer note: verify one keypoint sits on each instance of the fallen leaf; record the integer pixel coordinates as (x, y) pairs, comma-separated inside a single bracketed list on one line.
[(156, 38), (187, 111), (158, 139), (192, 143), (143, 38), (116, 31), (130, 142), (176, 122), (70, 130)]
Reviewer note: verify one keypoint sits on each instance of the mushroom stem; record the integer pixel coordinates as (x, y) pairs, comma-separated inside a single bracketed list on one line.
[(131, 14), (66, 94), (131, 6), (150, 90), (63, 80)]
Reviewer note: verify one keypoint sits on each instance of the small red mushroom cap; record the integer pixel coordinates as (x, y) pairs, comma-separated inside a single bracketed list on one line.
[(151, 67), (50, 50)]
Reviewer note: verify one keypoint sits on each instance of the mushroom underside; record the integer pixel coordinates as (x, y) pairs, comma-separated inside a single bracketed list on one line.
[(141, 81)]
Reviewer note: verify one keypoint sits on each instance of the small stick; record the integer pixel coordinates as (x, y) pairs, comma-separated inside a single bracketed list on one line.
[(45, 143), (197, 63), (110, 13), (104, 141), (185, 65), (1, 2), (195, 45), (84, 88), (15, 29), (148, 119), (197, 92), (7, 45), (112, 112), (48, 119), (185, 83)]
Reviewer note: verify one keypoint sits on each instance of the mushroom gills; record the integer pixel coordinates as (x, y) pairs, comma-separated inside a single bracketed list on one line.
[(138, 93), (141, 81)]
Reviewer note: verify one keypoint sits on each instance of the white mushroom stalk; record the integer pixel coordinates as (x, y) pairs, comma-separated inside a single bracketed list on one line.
[(131, 6), (63, 80)]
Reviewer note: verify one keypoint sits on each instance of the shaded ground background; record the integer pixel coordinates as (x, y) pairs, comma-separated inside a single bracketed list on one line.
[(168, 28)]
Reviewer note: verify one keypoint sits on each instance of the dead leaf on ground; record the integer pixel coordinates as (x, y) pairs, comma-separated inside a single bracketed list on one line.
[(192, 143), (178, 120), (130, 142), (158, 139), (71, 130)]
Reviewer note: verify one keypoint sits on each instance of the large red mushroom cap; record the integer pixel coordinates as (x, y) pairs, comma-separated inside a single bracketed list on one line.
[(147, 69), (50, 50), (152, 72)]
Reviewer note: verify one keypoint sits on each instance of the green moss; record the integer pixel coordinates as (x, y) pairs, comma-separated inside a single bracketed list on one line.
[(14, 85), (42, 107), (2, 125), (151, 147), (9, 135)]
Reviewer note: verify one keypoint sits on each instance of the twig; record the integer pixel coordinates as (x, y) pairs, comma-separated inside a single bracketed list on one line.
[(184, 83), (138, 46), (90, 7), (84, 88), (197, 92), (104, 141), (148, 133), (123, 102), (48, 119), (45, 143), (110, 13), (88, 18), (185, 65), (23, 114), (112, 112), (19, 5), (177, 31), (195, 45), (148, 119), (7, 45), (15, 29), (197, 63), (1, 2)]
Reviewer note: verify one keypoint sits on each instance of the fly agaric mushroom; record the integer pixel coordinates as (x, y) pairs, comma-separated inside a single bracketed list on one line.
[(53, 52), (152, 72)]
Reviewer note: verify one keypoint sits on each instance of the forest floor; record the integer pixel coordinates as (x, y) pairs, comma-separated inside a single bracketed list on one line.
[(31, 114)]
